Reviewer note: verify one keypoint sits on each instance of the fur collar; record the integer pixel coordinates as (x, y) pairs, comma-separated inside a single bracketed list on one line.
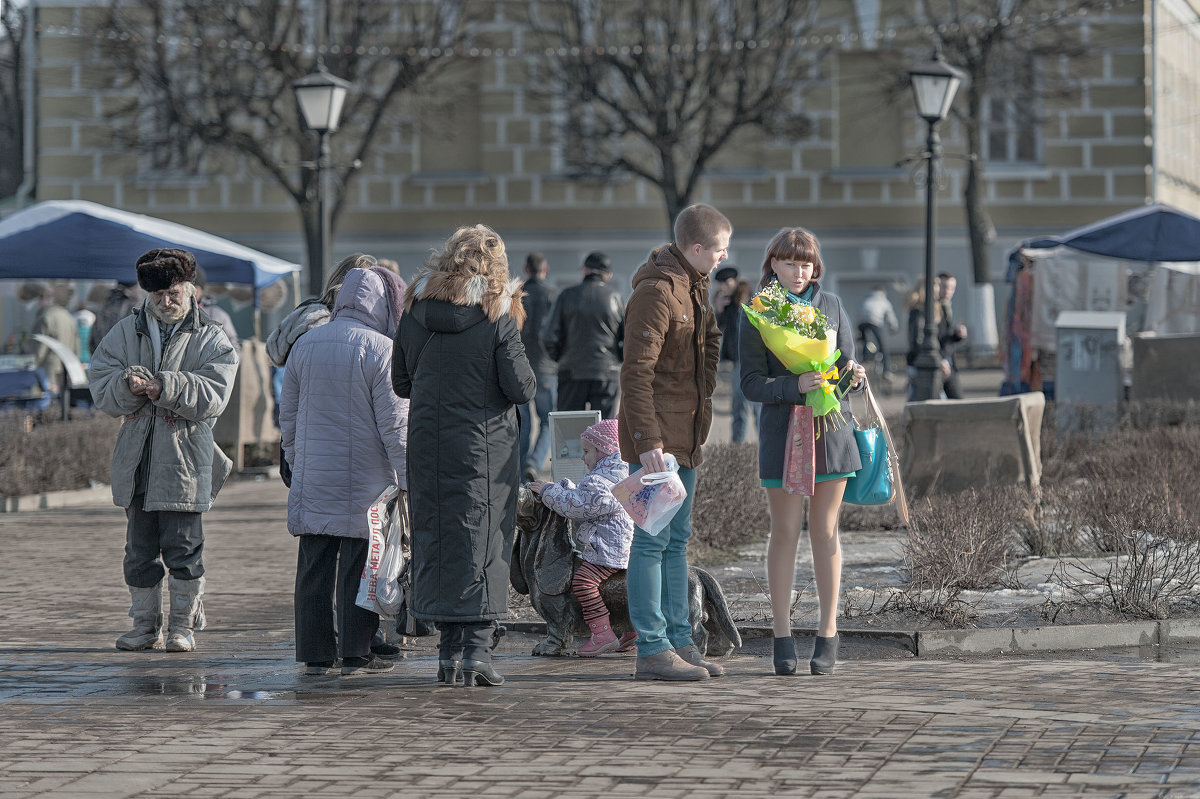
[(497, 298)]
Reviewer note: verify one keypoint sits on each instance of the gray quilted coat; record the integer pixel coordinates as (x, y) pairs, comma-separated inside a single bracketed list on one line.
[(197, 371), (344, 430)]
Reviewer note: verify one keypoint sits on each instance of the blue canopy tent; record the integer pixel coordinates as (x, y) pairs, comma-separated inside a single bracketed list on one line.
[(80, 240), (1155, 233), (1151, 233)]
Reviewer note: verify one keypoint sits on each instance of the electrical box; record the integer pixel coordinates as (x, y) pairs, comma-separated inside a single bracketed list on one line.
[(566, 447)]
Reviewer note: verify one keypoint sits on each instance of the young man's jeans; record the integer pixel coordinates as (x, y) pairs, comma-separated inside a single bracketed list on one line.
[(657, 579), (543, 403)]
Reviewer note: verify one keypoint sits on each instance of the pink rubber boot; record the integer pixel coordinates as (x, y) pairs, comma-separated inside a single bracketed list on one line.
[(628, 641), (603, 639)]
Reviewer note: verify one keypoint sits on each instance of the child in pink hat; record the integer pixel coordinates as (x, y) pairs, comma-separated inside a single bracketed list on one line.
[(603, 531)]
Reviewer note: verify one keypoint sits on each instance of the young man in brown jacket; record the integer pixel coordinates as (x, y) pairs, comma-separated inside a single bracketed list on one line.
[(672, 344)]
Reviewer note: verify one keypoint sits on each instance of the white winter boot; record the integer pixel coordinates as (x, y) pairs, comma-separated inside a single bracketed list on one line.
[(145, 608), (187, 613)]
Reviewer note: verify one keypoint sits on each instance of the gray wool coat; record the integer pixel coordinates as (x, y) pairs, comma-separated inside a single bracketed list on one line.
[(765, 379)]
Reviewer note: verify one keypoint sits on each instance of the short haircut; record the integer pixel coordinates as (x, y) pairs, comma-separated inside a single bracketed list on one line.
[(792, 244), (945, 276), (535, 264), (700, 224)]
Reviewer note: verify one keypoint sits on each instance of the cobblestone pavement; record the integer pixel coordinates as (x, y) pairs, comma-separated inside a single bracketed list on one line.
[(237, 719)]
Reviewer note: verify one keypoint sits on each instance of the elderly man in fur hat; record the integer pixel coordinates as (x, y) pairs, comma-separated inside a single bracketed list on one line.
[(168, 369)]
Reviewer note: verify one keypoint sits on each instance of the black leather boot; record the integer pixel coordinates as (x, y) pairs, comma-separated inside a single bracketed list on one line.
[(786, 661), (450, 653), (824, 654), (477, 655)]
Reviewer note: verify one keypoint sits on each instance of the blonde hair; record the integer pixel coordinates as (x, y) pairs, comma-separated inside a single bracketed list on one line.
[(471, 269), (699, 224), (792, 244)]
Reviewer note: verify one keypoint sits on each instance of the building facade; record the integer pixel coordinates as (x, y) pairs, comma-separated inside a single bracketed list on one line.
[(1123, 133)]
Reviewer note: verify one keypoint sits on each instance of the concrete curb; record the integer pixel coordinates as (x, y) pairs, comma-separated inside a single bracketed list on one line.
[(990, 641), (1064, 638), (96, 495)]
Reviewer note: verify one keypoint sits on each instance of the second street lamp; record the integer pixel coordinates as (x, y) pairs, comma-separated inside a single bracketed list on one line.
[(320, 97), (934, 85)]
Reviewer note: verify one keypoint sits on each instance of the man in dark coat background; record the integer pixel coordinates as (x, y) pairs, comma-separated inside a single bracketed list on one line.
[(584, 334)]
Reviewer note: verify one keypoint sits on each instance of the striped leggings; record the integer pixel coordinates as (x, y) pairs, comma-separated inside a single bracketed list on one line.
[(586, 587)]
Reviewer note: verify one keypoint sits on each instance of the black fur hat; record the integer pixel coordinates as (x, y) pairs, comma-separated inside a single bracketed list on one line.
[(160, 269)]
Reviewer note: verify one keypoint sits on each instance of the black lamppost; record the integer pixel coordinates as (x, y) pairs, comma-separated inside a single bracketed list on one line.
[(934, 84), (320, 97)]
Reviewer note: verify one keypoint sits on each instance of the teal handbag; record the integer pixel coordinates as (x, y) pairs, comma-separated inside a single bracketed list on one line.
[(878, 481), (872, 484)]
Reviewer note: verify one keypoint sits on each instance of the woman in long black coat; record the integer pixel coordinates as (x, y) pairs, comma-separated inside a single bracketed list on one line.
[(458, 356)]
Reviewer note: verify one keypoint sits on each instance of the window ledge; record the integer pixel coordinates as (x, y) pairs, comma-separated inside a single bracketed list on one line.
[(850, 173), (993, 171), (171, 181), (449, 176)]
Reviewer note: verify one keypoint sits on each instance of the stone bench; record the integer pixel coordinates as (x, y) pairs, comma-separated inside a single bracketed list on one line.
[(953, 445)]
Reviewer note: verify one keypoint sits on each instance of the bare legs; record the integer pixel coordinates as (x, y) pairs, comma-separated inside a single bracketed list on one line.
[(787, 519)]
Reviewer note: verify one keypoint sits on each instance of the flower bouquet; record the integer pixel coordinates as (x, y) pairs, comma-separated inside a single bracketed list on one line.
[(799, 335)]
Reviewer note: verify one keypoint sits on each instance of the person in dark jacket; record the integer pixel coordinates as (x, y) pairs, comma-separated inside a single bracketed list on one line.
[(584, 334), (793, 259), (458, 356), (538, 301)]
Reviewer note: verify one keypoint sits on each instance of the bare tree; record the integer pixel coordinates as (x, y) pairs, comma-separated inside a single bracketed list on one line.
[(13, 19), (657, 88), (215, 78), (1011, 52)]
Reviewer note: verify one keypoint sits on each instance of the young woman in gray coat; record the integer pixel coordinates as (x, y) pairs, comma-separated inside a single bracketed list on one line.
[(458, 355), (793, 259)]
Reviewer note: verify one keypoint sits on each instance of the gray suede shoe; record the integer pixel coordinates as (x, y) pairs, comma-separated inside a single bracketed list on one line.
[(691, 654), (668, 666)]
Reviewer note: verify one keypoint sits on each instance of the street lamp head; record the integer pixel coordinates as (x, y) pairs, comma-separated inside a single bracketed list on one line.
[(934, 84), (320, 97)]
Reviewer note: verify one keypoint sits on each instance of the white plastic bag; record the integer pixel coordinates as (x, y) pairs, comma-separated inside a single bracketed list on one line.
[(379, 588), (652, 499)]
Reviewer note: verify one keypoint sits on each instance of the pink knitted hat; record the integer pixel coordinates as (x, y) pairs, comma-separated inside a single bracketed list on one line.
[(603, 436)]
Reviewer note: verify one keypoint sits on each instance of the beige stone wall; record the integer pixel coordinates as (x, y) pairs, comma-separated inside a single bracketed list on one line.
[(1176, 103), (492, 154)]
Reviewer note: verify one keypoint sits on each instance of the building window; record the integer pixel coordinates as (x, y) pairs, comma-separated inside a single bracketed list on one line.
[(1011, 125)]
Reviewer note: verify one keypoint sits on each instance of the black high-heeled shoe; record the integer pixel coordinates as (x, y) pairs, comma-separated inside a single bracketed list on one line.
[(449, 671), (478, 672), (824, 654), (786, 661)]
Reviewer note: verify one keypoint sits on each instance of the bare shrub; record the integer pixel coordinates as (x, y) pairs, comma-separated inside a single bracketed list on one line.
[(730, 508), (1157, 565), (38, 456), (1057, 524), (964, 541)]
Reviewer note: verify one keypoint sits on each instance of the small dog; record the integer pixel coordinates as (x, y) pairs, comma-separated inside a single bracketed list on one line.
[(543, 562)]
